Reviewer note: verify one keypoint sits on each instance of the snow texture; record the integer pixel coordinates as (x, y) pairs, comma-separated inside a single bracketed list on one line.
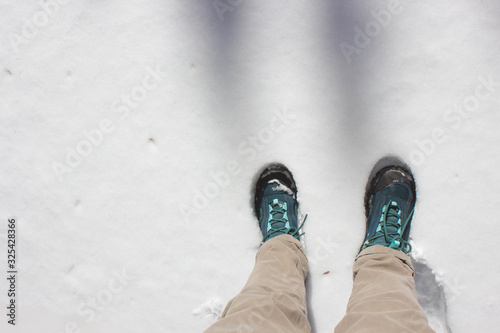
[(281, 187), (132, 132)]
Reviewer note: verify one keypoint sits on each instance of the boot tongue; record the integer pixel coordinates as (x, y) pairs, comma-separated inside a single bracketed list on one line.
[(393, 215), (393, 220), (393, 226), (277, 212), (399, 191)]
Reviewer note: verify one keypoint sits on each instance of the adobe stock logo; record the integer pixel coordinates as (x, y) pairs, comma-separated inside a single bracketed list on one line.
[(39, 20), (89, 309), (248, 148), (122, 107), (381, 19), (454, 117)]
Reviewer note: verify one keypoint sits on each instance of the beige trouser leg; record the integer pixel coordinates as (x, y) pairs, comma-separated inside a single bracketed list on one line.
[(383, 296), (274, 298)]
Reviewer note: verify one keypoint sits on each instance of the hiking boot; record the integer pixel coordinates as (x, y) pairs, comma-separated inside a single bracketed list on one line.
[(276, 205), (389, 205)]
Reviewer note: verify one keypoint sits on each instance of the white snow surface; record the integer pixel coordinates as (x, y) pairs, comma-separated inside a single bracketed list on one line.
[(132, 132), (281, 187)]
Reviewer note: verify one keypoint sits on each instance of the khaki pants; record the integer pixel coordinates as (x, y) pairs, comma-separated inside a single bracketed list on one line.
[(383, 297)]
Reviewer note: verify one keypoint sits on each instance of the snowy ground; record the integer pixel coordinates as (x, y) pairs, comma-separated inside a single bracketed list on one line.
[(131, 132)]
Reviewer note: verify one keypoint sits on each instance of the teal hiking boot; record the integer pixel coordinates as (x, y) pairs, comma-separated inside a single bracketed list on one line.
[(389, 205), (275, 202)]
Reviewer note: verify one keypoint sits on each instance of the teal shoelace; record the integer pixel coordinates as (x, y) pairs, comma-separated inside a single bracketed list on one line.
[(390, 230), (278, 222)]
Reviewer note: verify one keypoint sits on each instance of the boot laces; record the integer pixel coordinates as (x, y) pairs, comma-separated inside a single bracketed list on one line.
[(278, 221), (390, 230)]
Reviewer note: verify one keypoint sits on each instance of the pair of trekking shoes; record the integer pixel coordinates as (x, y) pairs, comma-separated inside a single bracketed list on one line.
[(389, 204)]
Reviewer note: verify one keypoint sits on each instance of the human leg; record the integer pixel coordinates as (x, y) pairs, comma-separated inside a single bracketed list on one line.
[(274, 297), (383, 298)]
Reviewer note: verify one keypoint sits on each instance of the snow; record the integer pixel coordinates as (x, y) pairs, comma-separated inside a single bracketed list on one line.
[(280, 187), (132, 133)]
